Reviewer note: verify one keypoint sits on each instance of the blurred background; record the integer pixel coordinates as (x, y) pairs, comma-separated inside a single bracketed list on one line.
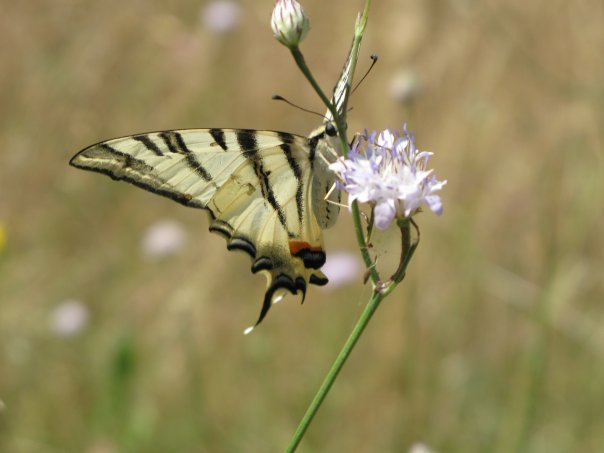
[(121, 316)]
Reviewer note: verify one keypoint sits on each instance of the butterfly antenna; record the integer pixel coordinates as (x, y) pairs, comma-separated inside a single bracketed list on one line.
[(276, 97), (374, 59)]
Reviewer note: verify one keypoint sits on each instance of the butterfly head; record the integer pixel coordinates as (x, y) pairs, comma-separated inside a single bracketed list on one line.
[(325, 140), (330, 129)]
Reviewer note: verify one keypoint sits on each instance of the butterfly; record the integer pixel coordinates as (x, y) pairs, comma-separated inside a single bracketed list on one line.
[(269, 194)]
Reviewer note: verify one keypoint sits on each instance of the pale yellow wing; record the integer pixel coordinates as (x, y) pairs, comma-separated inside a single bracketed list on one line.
[(255, 185)]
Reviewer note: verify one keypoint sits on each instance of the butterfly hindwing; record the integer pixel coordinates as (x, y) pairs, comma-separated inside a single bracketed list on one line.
[(263, 191)]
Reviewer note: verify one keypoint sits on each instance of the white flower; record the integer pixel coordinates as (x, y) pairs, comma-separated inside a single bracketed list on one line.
[(405, 86), (69, 318), (420, 447), (289, 23), (341, 268), (389, 172), (163, 238), (221, 16)]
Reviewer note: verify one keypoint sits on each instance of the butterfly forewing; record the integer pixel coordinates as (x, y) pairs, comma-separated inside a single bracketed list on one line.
[(257, 187)]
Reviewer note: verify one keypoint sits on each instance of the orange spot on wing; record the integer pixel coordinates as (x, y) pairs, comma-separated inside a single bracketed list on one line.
[(296, 246)]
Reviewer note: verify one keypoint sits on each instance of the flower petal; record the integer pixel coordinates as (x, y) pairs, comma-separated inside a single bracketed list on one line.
[(384, 213)]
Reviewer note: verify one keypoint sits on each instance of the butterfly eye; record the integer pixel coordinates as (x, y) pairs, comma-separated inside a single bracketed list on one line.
[(331, 130)]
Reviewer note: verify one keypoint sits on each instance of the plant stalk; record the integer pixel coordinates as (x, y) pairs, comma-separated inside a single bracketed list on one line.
[(335, 369)]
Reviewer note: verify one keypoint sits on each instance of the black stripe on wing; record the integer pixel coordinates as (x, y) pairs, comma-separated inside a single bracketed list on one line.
[(313, 142), (127, 163), (176, 144), (242, 243), (149, 144), (288, 139), (218, 136), (247, 141)]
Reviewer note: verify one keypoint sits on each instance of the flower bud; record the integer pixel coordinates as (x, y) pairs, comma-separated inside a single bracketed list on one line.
[(289, 23)]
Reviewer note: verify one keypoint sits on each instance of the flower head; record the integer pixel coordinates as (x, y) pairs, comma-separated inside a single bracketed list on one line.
[(221, 16), (69, 318), (341, 268), (388, 171), (164, 238), (289, 23)]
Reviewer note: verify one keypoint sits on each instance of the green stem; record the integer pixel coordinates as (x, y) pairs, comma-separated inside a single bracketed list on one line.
[(359, 29), (360, 236), (356, 212), (370, 308), (368, 312), (407, 251), (339, 120), (340, 123), (301, 62), (377, 296)]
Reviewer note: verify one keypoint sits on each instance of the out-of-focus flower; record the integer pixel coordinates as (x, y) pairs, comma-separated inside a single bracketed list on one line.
[(69, 318), (405, 86), (164, 238), (221, 16), (420, 447), (289, 23), (341, 268), (388, 171)]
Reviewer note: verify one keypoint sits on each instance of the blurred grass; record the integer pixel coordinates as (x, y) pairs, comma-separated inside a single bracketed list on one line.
[(494, 343)]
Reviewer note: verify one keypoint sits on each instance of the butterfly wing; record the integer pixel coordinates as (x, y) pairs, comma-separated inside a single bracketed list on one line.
[(342, 89), (255, 185)]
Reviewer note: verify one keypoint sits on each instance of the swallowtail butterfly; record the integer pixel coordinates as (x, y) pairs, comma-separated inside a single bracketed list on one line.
[(268, 193)]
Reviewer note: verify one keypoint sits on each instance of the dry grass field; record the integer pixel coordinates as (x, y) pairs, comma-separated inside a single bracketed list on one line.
[(494, 342)]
